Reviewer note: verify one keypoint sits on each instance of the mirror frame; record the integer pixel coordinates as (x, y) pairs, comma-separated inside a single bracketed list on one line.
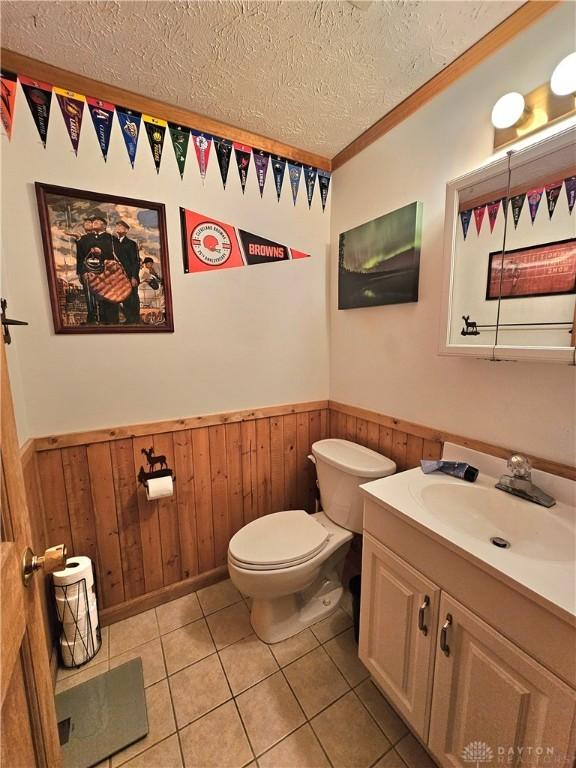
[(499, 352)]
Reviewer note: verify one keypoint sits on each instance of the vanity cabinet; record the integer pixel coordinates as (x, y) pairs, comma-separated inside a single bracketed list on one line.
[(489, 691), (398, 631), (455, 679)]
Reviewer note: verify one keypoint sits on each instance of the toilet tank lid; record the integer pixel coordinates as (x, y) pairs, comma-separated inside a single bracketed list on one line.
[(353, 458)]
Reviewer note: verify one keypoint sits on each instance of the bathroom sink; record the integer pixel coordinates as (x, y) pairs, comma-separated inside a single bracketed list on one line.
[(484, 513), (515, 539)]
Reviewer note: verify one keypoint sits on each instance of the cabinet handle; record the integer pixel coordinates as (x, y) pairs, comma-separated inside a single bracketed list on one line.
[(443, 634), (421, 626)]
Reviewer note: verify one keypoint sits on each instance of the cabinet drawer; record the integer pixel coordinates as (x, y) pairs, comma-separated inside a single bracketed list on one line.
[(491, 697), (398, 621)]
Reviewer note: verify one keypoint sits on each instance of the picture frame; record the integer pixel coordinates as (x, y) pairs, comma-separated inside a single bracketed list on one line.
[(379, 261), (106, 261), (547, 269)]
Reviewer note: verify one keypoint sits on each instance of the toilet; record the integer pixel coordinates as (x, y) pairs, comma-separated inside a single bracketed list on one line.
[(290, 563)]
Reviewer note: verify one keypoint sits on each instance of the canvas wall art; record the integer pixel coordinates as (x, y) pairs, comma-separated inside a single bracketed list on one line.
[(379, 262), (106, 260)]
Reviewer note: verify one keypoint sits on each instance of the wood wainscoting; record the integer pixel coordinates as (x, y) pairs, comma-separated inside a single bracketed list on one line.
[(230, 469)]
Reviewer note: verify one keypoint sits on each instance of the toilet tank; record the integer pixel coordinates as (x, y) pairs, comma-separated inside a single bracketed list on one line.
[(341, 467)]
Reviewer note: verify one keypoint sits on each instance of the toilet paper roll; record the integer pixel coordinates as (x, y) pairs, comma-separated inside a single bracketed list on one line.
[(159, 488), (73, 604), (77, 568), (81, 624), (76, 651)]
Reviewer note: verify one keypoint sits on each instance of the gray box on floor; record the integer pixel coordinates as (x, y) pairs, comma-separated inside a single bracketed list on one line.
[(102, 716)]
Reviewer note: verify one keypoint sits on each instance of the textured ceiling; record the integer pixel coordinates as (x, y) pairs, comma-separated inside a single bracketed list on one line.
[(311, 74)]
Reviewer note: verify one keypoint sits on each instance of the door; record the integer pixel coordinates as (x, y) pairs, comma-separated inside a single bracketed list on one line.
[(398, 619), (29, 734), (492, 702)]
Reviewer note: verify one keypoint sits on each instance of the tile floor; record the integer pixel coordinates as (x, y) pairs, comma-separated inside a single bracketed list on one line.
[(218, 697)]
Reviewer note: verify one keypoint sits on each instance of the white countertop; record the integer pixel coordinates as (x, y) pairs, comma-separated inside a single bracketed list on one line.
[(542, 555)]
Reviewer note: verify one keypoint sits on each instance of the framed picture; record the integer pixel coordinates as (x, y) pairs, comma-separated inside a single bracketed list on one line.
[(538, 270), (106, 260), (379, 262)]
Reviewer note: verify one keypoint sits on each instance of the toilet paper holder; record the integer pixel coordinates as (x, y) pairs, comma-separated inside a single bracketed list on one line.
[(151, 474)]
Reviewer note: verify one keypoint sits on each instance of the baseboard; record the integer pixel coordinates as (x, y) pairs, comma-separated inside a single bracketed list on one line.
[(160, 596)]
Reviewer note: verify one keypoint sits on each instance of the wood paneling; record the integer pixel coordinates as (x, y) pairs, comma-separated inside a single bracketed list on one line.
[(398, 440), (526, 15), (63, 78), (229, 470)]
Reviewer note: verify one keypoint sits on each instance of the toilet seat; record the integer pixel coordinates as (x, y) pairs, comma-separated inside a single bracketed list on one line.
[(280, 540)]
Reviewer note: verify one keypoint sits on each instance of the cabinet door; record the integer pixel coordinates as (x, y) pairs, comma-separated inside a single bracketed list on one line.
[(493, 703), (398, 619)]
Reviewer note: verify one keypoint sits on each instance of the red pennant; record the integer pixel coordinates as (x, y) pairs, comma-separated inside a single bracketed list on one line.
[(479, 212), (493, 213), (7, 98)]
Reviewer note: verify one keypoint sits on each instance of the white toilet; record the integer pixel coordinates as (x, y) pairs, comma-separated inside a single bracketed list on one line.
[(290, 563)]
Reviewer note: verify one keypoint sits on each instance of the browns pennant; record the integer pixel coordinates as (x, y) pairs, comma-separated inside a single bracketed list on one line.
[(209, 244)]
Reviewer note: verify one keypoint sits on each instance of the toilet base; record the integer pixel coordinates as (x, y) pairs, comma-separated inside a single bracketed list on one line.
[(284, 617)]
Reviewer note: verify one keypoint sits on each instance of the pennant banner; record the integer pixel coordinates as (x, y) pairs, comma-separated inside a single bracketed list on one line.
[(180, 139), (261, 160), (324, 185), (570, 185), (202, 144), (552, 194), (479, 212), (465, 218), (223, 149), (294, 173), (534, 196), (72, 107), (102, 114), (130, 126), (243, 154), (8, 83), (211, 245), (156, 130), (39, 98), (278, 168), (310, 179)]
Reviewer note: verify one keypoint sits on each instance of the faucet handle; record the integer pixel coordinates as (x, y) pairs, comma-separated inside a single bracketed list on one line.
[(519, 466)]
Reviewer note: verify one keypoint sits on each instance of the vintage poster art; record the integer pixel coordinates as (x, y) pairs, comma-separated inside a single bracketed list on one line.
[(106, 261), (209, 245), (538, 270), (379, 261)]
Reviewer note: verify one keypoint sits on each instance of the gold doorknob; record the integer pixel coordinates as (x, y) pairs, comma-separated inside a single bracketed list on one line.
[(52, 559)]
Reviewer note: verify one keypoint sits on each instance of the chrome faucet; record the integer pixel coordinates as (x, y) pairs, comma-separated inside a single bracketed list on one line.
[(519, 482)]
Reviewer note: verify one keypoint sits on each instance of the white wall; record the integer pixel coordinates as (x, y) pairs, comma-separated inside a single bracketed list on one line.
[(243, 338), (386, 358)]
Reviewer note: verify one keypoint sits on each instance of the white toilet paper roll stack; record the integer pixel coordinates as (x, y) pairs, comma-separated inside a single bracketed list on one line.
[(77, 610), (159, 488)]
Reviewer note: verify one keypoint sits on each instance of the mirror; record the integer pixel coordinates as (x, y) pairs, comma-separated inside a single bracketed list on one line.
[(510, 248)]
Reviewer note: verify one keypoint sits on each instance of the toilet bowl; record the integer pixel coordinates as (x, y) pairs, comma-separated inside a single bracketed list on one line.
[(290, 563)]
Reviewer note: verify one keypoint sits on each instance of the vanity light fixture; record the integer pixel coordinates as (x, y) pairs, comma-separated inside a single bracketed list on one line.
[(563, 80), (508, 110), (515, 116)]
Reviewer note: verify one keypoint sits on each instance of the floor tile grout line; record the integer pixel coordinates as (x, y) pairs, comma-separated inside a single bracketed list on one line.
[(171, 699), (233, 699), (392, 743)]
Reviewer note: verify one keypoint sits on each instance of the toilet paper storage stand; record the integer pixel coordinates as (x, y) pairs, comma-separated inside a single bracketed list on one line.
[(151, 473)]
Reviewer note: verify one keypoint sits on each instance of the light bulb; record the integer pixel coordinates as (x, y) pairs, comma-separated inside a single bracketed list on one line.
[(563, 80), (508, 110)]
